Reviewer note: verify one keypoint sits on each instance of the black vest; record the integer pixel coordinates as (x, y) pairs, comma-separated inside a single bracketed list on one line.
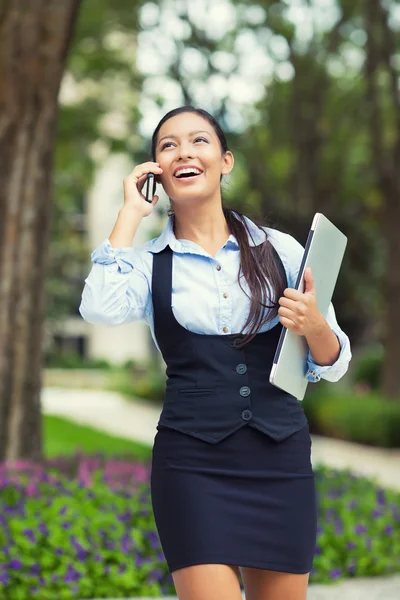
[(214, 388)]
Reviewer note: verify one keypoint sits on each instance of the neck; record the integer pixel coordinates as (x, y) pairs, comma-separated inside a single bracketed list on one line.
[(205, 226)]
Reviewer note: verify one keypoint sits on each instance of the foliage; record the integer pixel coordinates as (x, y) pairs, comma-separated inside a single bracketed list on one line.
[(72, 360), (369, 368), (63, 438), (101, 78), (358, 416), (83, 527), (148, 383)]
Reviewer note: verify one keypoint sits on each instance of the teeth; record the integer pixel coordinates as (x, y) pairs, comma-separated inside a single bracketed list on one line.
[(189, 170)]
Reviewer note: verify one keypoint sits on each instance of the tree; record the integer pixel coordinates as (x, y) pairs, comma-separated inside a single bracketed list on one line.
[(45, 153), (382, 100), (34, 43)]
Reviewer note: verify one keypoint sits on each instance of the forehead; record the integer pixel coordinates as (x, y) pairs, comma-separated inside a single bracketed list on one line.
[(183, 124)]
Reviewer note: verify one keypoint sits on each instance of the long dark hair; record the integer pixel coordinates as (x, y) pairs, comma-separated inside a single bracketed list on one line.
[(257, 263)]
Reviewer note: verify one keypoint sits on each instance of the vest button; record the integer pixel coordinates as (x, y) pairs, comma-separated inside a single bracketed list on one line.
[(218, 267), (244, 391), (225, 330), (246, 415), (241, 369)]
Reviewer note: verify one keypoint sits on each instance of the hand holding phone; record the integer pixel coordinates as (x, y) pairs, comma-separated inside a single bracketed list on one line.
[(133, 184)]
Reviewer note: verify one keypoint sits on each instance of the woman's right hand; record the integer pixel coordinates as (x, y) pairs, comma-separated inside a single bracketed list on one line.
[(133, 185)]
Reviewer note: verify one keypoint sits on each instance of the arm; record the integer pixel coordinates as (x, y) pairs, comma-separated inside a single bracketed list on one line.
[(329, 347), (117, 288)]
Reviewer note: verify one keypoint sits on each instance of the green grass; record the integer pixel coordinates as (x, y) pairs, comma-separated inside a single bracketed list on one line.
[(62, 437)]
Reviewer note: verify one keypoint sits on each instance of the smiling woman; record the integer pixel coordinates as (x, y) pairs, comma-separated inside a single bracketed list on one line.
[(232, 484)]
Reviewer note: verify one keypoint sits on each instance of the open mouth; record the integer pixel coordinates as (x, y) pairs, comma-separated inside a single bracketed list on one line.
[(187, 176)]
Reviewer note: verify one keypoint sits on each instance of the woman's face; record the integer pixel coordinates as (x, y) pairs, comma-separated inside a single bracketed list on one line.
[(189, 140)]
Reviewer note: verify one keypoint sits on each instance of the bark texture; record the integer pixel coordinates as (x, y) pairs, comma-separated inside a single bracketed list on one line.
[(381, 48), (34, 40)]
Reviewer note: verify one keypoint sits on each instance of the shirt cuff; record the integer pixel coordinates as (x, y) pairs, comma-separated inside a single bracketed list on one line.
[(315, 371), (106, 254)]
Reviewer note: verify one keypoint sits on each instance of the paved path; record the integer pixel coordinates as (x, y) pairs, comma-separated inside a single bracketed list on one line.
[(374, 588), (110, 412)]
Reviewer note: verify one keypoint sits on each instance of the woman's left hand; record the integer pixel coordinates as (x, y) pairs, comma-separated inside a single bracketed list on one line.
[(299, 311)]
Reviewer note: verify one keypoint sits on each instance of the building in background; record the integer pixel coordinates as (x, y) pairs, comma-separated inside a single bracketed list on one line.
[(73, 335)]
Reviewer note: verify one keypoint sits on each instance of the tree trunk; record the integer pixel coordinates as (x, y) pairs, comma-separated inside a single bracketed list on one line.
[(34, 40), (381, 49)]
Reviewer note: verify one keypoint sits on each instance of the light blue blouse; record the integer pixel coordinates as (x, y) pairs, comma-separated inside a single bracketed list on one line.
[(206, 296)]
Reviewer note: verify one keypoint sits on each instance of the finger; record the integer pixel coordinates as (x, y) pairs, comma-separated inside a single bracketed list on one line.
[(143, 172), (285, 312), (287, 302), (309, 280), (288, 323), (293, 294)]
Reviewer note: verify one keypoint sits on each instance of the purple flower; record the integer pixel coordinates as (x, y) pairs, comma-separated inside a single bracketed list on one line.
[(139, 561), (351, 546), (335, 573), (35, 569), (4, 578), (376, 513), (71, 575), (380, 494), (156, 574), (126, 543), (29, 533), (43, 529), (360, 529), (389, 529), (338, 527), (15, 564)]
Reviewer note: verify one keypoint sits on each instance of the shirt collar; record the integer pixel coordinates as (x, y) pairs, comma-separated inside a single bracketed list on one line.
[(167, 237)]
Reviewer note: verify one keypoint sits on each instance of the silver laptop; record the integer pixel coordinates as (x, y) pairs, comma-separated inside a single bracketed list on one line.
[(323, 253)]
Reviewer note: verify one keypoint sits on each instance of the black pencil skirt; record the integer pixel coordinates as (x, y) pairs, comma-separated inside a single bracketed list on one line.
[(247, 501)]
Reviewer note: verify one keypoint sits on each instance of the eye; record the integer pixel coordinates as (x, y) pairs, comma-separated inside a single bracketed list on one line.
[(199, 138)]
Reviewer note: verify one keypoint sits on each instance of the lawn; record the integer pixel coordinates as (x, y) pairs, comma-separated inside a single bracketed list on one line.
[(63, 437)]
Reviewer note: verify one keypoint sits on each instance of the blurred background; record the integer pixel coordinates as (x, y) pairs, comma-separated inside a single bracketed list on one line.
[(307, 92)]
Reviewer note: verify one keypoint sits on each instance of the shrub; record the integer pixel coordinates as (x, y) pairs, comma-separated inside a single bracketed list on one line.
[(72, 360), (366, 419), (82, 527), (368, 368), (79, 528)]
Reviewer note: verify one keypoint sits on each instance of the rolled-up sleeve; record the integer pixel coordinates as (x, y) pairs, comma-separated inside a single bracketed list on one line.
[(117, 288), (340, 366), (291, 252)]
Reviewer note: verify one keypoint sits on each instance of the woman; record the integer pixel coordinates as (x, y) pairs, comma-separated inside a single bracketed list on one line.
[(232, 483)]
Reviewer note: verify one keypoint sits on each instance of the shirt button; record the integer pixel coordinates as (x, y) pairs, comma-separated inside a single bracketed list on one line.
[(225, 330), (218, 267), (226, 295), (244, 391), (241, 369), (246, 415)]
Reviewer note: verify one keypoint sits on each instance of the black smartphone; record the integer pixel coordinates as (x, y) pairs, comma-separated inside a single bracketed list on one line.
[(149, 179)]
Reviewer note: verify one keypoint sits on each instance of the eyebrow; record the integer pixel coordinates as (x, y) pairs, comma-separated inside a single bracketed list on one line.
[(190, 134)]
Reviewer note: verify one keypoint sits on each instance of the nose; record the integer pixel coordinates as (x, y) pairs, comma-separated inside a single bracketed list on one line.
[(186, 151)]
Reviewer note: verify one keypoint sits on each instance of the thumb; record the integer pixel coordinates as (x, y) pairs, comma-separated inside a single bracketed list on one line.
[(309, 281)]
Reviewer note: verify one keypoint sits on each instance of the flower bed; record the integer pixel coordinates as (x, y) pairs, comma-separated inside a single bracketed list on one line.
[(82, 527)]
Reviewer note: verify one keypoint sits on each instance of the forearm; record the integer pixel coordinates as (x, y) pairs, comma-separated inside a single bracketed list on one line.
[(125, 227), (324, 344)]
